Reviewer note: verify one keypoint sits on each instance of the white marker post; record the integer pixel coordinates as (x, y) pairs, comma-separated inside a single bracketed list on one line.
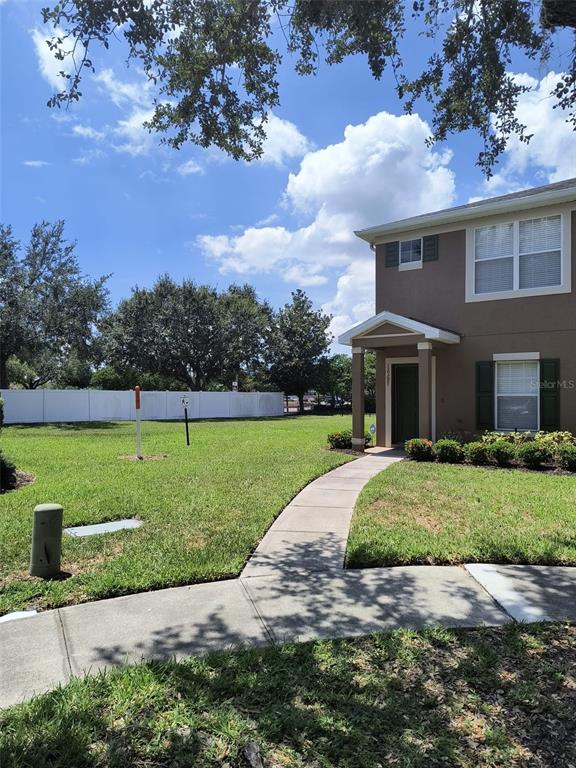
[(138, 423)]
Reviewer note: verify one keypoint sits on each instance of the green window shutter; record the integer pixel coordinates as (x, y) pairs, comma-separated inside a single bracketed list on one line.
[(485, 395), (430, 248), (549, 395), (392, 254)]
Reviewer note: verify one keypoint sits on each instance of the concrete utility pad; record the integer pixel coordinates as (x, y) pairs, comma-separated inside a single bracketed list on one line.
[(373, 600), (168, 623), (530, 592), (111, 527), (32, 657)]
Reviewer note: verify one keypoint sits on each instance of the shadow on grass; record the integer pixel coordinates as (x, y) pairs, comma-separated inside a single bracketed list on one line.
[(395, 699)]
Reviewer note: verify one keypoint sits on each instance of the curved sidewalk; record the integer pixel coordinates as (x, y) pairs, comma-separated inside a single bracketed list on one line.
[(292, 588)]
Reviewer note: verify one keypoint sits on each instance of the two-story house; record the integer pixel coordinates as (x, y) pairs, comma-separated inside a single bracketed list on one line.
[(475, 324)]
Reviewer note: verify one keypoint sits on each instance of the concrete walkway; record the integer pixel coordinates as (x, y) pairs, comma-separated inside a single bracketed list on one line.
[(292, 588)]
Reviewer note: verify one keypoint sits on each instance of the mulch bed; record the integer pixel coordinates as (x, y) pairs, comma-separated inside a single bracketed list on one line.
[(22, 480)]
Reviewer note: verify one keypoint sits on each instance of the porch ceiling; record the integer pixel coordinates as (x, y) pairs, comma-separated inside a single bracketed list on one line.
[(387, 329)]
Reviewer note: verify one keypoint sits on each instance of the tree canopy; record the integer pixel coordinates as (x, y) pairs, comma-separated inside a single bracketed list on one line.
[(297, 346), (49, 310), (187, 332), (215, 62)]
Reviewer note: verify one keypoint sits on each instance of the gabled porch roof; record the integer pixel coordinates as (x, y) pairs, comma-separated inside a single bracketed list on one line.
[(389, 329)]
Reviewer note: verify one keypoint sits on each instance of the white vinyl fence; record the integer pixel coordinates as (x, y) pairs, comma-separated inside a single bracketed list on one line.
[(38, 406)]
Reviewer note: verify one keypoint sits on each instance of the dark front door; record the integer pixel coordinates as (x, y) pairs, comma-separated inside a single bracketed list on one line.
[(404, 401)]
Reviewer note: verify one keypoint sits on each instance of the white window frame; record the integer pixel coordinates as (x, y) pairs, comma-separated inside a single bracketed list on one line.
[(517, 357), (410, 264), (516, 292)]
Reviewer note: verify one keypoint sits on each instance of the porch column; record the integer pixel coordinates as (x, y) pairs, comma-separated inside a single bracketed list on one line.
[(380, 397), (425, 389), (357, 398)]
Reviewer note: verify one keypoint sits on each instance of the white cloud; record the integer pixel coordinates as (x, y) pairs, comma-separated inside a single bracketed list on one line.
[(86, 132), (272, 219), (283, 141), (552, 146), (380, 171), (189, 167), (50, 67), (551, 149), (123, 93), (89, 157), (135, 99), (36, 163), (354, 297), (134, 138)]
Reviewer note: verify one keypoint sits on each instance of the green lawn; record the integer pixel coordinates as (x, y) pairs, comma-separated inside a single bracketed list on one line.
[(434, 513), (204, 507), (437, 699)]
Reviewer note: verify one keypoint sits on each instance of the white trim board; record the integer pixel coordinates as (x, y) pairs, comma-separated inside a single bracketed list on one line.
[(430, 332), (512, 356), (462, 214)]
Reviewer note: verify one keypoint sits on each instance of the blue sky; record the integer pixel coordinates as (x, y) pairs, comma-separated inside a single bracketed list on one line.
[(340, 156)]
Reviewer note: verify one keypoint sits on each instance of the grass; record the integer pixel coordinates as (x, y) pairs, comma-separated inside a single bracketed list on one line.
[(204, 507), (435, 513), (493, 697)]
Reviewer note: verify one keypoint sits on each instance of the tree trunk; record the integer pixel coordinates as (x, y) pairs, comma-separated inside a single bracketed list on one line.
[(301, 403), (3, 374)]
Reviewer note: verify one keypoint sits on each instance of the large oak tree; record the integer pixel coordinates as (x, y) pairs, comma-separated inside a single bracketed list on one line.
[(215, 62)]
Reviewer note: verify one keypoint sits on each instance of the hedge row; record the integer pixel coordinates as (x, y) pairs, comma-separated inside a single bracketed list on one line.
[(552, 448)]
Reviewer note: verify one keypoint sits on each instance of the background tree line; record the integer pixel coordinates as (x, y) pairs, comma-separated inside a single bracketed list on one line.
[(57, 329)]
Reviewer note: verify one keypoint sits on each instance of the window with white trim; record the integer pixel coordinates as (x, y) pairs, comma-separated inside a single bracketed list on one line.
[(540, 252), (411, 251), (517, 384), (518, 256), (494, 258)]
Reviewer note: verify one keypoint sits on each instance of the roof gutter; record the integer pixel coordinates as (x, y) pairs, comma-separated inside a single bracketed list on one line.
[(465, 213)]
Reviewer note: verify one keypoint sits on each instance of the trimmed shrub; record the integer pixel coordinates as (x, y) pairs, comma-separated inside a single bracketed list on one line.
[(566, 457), (343, 440), (516, 438), (533, 455), (477, 452), (340, 439), (448, 451), (7, 473), (554, 440), (419, 449), (502, 452)]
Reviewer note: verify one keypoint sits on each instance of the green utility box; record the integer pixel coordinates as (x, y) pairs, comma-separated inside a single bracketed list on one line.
[(46, 540)]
